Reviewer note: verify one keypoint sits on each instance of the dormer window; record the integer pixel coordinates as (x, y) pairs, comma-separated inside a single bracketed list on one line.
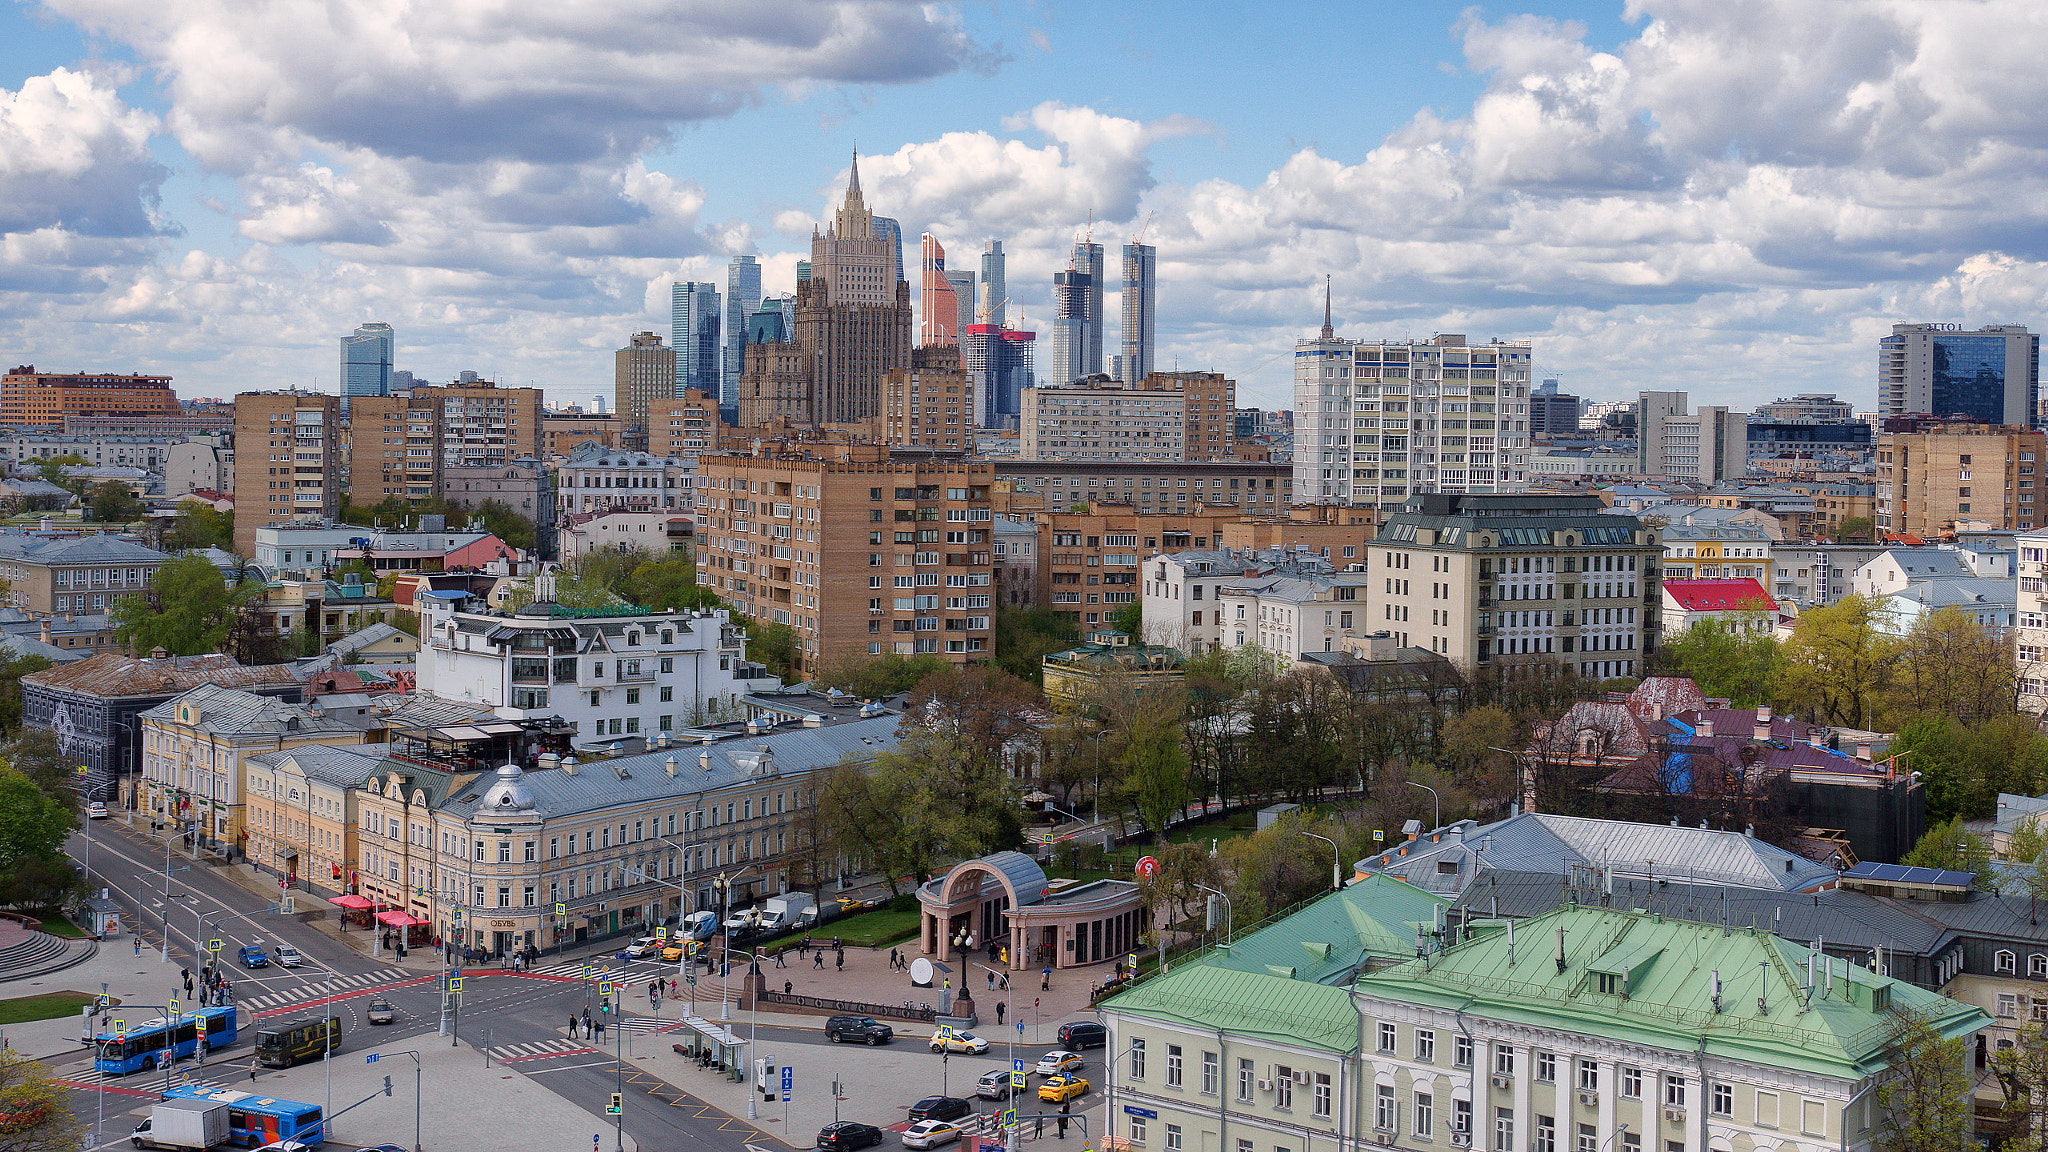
[(633, 638)]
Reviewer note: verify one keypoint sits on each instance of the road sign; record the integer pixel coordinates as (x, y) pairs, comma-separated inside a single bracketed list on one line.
[(1016, 1066), (788, 1082), (455, 983), (372, 1057), (215, 945), (1379, 834), (120, 1025), (604, 987), (1144, 1113), (199, 1019), (1009, 1117), (660, 934), (83, 770), (1017, 1081), (174, 1006), (561, 909), (1148, 867)]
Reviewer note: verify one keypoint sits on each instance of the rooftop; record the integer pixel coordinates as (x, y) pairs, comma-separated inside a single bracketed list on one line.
[(116, 674)]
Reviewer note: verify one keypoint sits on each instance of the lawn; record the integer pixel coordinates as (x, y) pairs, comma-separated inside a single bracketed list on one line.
[(57, 925), (877, 929), (48, 1006)]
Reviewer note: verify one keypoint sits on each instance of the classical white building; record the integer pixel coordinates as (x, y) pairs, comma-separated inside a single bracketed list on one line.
[(595, 477), (613, 676), (1292, 613), (2031, 635), (1183, 606)]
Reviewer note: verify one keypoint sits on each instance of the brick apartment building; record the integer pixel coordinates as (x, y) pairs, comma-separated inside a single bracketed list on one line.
[(32, 399), (288, 459), (1928, 480), (852, 547)]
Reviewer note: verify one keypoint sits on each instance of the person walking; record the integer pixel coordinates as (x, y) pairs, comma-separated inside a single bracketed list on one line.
[(572, 1025), (818, 960), (839, 961), (1004, 983), (138, 945), (990, 973), (1000, 1006), (779, 961), (188, 983), (586, 1024), (1045, 983)]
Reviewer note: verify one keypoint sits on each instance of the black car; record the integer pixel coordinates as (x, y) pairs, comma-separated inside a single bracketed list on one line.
[(859, 1029), (848, 1134), (1083, 1034), (939, 1108)]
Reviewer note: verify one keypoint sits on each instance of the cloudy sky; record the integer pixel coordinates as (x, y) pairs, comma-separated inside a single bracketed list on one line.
[(1734, 197)]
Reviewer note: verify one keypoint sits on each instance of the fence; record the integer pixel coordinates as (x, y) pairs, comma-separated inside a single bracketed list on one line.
[(923, 1015)]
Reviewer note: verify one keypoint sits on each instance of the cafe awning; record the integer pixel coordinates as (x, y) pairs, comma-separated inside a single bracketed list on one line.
[(399, 919), (351, 900)]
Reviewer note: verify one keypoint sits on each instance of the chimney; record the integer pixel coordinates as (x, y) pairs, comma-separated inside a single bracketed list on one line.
[(1863, 751), (1763, 725), (753, 727), (704, 760), (671, 765), (43, 633), (1706, 726), (569, 766), (1763, 713), (814, 721)]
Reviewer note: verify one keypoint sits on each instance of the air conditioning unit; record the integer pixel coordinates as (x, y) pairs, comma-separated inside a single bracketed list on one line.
[(1590, 1099), (1300, 1077), (1461, 1139), (1265, 1085), (1503, 1081), (1675, 1115)]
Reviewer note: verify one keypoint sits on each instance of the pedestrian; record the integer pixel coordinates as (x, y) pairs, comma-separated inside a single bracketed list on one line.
[(840, 962), (836, 945), (138, 945), (787, 987), (600, 1031), (818, 959), (252, 1067), (572, 1025), (1000, 1006), (586, 1023), (1045, 984), (1004, 983), (892, 959), (1039, 1129), (990, 973), (778, 958)]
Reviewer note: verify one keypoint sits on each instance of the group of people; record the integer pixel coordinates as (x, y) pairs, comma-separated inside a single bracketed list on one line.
[(592, 1029), (211, 989)]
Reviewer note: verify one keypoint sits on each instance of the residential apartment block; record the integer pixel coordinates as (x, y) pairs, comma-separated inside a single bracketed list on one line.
[(288, 460), (1183, 597), (1704, 447), (1709, 553), (642, 372), (1929, 481), (930, 403), (1293, 608), (2030, 637), (1379, 421), (1087, 560), (301, 815), (75, 575), (850, 546), (1478, 579), (561, 432), (32, 399), (393, 448), (1168, 416), (1264, 489), (683, 426)]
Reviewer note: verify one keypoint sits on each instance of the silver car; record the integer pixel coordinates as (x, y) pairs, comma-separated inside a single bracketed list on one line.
[(286, 956)]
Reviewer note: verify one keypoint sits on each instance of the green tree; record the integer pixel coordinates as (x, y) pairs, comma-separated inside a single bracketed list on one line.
[(1948, 845), (854, 671), (199, 526), (2022, 1072), (1472, 746), (35, 753), (1926, 1103), (1856, 528), (53, 471), (506, 524), (1025, 637), (1129, 619), (1950, 665), (37, 1108), (111, 502), (11, 672), (186, 610), (1838, 661), (1145, 752), (669, 581), (33, 825), (1742, 665), (773, 646), (874, 816), (1276, 867)]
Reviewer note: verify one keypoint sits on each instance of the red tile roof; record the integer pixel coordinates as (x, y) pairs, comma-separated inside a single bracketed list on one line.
[(1745, 595)]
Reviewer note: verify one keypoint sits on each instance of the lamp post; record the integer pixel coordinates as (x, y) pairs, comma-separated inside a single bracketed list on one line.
[(753, 1029), (723, 885), (1109, 1092), (1439, 803), (1335, 875)]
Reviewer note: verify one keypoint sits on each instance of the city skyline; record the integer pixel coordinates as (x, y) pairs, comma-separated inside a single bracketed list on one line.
[(1572, 173)]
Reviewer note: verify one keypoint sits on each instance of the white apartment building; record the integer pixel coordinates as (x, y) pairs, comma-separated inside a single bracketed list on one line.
[(610, 675), (1182, 598), (1171, 416), (1704, 447), (595, 477), (1380, 421), (1896, 569), (2030, 638), (1289, 614)]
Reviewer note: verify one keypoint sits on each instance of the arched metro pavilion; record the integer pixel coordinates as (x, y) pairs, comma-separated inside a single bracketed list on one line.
[(1003, 905)]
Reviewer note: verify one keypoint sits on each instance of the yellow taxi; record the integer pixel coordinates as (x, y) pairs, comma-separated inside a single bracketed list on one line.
[(1061, 1089)]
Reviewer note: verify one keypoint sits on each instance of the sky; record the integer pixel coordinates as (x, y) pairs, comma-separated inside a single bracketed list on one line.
[(1730, 197)]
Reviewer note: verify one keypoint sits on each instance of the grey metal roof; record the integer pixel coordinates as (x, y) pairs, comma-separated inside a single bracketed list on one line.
[(378, 630), (345, 765), (644, 778), (1542, 842), (233, 712), (78, 550)]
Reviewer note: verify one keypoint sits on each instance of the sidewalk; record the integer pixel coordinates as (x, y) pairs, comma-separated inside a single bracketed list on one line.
[(867, 979)]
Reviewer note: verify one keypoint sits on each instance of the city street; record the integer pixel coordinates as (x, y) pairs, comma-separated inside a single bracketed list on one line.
[(514, 1024)]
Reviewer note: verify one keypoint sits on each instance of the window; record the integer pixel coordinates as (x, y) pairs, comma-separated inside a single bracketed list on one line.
[(1461, 1051), (1386, 1037), (1674, 1090), (1589, 1139), (1322, 1101), (1631, 1142), (1503, 1130), (479, 854), (1137, 1059), (1546, 1135), (504, 896), (1283, 1087), (1632, 1082), (1212, 1074), (2037, 966), (1244, 1079), (1425, 1045), (1383, 1108), (1461, 1115), (1173, 1138), (1722, 1102), (1766, 1109), (1137, 1129), (1813, 1118), (1503, 1059), (1546, 1067), (2008, 1006), (2005, 963), (554, 847), (1589, 1076), (1173, 1066), (532, 851)]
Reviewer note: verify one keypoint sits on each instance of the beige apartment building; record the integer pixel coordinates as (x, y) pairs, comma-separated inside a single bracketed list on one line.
[(642, 372), (930, 404), (288, 461), (194, 747), (77, 576), (1486, 579), (303, 820), (1168, 416), (392, 446), (1927, 481), (852, 547), (561, 432), (1265, 489), (1087, 562), (683, 426), (484, 425)]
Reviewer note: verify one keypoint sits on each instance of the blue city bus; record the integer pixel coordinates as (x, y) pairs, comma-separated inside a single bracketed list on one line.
[(153, 1043), (254, 1120)]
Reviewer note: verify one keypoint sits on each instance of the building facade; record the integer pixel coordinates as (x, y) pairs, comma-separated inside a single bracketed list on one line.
[(367, 357), (930, 403), (74, 576), (1183, 597), (32, 399), (684, 426), (938, 301), (563, 431), (1168, 416), (1992, 375), (1265, 489), (695, 322), (1140, 307), (742, 299), (595, 478), (1290, 610), (1704, 447), (852, 548), (1928, 481), (288, 460)]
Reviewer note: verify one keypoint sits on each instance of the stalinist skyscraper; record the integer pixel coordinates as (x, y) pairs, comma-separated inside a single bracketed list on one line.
[(853, 314)]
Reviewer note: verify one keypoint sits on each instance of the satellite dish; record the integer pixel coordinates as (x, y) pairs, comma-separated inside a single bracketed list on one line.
[(921, 972)]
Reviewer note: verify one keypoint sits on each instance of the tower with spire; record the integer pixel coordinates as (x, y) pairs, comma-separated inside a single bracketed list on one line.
[(852, 314), (1324, 467)]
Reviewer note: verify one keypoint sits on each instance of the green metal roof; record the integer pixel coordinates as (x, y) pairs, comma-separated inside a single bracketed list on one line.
[(1330, 938), (1247, 1004), (1669, 1002)]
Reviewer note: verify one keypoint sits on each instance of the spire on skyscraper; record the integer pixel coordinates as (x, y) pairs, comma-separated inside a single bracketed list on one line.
[(853, 178), (1328, 332)]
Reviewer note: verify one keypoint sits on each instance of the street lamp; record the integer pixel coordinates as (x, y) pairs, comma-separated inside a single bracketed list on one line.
[(1439, 803), (723, 885), (1335, 875), (753, 1031), (1109, 1091)]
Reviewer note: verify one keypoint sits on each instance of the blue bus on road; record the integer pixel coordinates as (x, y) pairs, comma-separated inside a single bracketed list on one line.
[(254, 1120), (153, 1043)]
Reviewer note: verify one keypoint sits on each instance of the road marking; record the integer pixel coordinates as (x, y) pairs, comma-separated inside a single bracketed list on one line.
[(568, 1067), (356, 995)]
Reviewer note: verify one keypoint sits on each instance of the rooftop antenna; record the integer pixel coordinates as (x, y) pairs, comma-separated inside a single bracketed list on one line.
[(1511, 943), (1717, 991), (1762, 1007), (1560, 949)]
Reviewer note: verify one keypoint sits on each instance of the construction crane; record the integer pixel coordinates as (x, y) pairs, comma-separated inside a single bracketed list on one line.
[(985, 309), (1139, 239)]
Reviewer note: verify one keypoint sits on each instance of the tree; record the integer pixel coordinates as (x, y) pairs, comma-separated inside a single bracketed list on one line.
[(1472, 748), (1949, 664), (35, 1110), (1145, 754), (1952, 847), (1856, 528), (11, 672), (1838, 661), (1175, 891), (1274, 868), (1741, 665), (199, 526), (1024, 637), (35, 753), (53, 471), (1299, 725), (1129, 619), (875, 815), (33, 826), (502, 521), (857, 673), (959, 723), (186, 610), (773, 645), (111, 502), (1926, 1101), (2022, 1072)]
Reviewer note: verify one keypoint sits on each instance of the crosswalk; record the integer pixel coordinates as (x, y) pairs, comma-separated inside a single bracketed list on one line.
[(89, 1076), (609, 969), (538, 1048), (335, 986)]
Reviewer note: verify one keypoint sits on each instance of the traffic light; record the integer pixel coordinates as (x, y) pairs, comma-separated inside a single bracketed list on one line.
[(618, 1104), (604, 1005), (387, 1085), (690, 978)]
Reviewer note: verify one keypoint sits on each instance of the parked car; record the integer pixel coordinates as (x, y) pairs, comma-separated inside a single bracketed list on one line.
[(701, 925), (959, 1041), (285, 955), (993, 1085), (252, 956), (1081, 1035), (939, 1108), (861, 1029), (848, 1134), (381, 1012), (1058, 1063), (931, 1133), (1060, 1089)]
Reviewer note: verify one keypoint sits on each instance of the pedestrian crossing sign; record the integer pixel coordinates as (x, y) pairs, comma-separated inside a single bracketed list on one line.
[(661, 934), (200, 1020), (455, 983), (945, 1031), (561, 908), (1017, 1080), (1009, 1117), (214, 945), (604, 987), (174, 1006)]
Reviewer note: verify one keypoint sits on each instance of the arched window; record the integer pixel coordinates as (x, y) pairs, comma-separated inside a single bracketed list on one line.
[(2005, 962)]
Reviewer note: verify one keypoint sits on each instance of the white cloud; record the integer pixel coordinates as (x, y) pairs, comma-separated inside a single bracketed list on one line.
[(74, 157)]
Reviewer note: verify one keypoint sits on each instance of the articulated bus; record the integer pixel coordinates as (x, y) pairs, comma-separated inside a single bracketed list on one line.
[(254, 1120), (152, 1043)]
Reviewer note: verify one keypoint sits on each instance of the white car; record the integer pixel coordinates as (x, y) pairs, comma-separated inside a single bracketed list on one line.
[(286, 956), (931, 1133), (1057, 1063), (97, 810), (642, 948), (959, 1041)]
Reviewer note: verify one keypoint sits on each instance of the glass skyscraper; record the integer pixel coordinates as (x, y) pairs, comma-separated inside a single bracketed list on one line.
[(366, 356), (1140, 300), (694, 325), (1992, 374), (995, 287), (888, 229), (742, 296)]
